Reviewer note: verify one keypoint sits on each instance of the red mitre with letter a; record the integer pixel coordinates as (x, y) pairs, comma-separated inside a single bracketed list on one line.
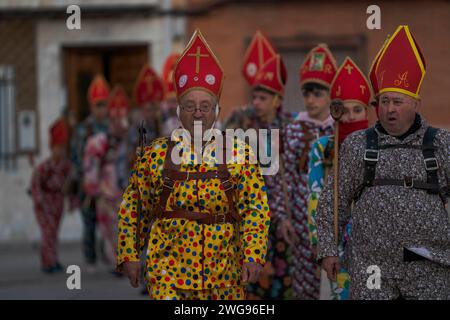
[(401, 65)]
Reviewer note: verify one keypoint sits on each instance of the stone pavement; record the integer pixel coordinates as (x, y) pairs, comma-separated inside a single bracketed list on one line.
[(21, 278)]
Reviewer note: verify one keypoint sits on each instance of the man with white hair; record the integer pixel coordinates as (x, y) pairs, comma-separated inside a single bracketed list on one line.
[(209, 237)]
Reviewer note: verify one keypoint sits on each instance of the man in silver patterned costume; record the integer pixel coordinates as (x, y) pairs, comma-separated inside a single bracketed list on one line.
[(396, 178)]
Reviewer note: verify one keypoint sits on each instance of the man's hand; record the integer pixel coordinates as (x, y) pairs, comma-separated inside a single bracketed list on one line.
[(133, 271), (287, 231), (250, 272), (314, 252), (331, 266)]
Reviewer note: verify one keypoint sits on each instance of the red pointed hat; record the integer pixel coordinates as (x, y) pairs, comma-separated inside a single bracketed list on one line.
[(149, 87), (258, 53), (272, 76), (350, 84), (198, 68), (98, 90), (401, 65), (319, 66), (167, 74), (118, 103), (59, 133), (372, 76)]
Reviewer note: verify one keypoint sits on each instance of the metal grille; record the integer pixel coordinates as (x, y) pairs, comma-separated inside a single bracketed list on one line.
[(7, 118)]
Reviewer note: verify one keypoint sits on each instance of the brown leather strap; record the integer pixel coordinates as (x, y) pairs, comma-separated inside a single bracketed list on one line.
[(182, 175), (203, 218), (228, 187), (172, 173)]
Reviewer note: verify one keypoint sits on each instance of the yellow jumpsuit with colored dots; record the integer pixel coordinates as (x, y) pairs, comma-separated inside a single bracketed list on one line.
[(186, 259)]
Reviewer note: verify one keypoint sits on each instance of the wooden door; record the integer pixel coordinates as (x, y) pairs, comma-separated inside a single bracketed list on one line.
[(118, 64)]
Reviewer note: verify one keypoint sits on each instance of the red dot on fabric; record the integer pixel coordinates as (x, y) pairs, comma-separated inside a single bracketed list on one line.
[(133, 214), (180, 282), (249, 238), (171, 262), (181, 250), (162, 153), (167, 279), (191, 233)]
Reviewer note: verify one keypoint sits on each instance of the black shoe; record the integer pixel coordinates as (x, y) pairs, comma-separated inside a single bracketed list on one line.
[(58, 267), (144, 291), (116, 274), (47, 270)]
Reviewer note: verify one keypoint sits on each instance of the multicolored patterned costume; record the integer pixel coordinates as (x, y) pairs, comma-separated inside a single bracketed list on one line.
[(104, 160), (351, 87), (98, 93), (298, 139), (260, 63), (48, 183)]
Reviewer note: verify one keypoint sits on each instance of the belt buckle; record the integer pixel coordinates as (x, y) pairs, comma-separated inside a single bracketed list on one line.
[(222, 219), (431, 164), (371, 155), (408, 182)]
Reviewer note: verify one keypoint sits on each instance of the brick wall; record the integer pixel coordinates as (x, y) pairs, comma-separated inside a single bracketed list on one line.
[(227, 27)]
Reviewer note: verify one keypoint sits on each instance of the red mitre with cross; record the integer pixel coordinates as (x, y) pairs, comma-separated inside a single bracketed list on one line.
[(59, 133), (350, 84), (118, 103), (98, 90), (272, 76), (198, 68), (401, 65), (318, 67), (258, 53), (148, 88), (167, 74)]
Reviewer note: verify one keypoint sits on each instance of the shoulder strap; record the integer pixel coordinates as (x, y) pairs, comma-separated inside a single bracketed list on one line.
[(431, 163), (371, 154)]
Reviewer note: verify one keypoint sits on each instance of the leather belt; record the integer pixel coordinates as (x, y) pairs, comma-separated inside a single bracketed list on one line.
[(203, 218)]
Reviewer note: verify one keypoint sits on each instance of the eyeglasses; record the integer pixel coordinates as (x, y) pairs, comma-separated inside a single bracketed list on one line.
[(191, 108)]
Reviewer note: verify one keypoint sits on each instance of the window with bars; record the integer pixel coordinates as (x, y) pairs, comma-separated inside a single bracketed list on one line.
[(7, 118)]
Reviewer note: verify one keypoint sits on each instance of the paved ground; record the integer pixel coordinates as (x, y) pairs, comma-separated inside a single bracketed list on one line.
[(21, 278)]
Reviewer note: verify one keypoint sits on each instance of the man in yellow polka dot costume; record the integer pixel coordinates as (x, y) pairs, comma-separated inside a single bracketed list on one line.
[(209, 235)]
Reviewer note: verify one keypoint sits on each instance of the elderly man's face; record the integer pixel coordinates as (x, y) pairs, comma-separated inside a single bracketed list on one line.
[(197, 105), (396, 112)]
